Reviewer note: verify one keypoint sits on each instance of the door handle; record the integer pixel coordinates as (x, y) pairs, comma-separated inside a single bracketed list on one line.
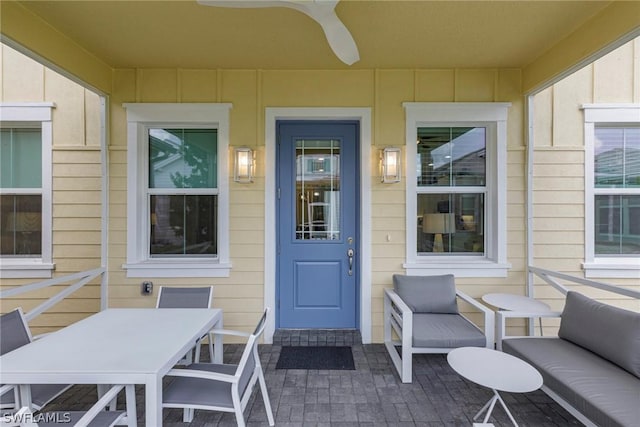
[(350, 255)]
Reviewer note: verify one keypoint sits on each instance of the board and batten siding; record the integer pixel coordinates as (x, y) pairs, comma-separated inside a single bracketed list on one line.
[(559, 169), (250, 92), (76, 185), (558, 181)]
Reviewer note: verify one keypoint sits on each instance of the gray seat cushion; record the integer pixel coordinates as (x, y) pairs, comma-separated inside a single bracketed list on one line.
[(201, 392), (605, 393), (445, 331), (427, 294), (608, 331), (41, 394)]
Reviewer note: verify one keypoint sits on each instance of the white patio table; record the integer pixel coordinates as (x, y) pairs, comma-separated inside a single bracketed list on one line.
[(114, 346)]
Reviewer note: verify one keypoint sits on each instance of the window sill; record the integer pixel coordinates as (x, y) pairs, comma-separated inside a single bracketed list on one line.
[(612, 269), (173, 269), (25, 269), (466, 268)]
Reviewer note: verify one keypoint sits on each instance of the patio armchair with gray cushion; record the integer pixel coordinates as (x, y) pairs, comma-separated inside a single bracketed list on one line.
[(14, 333), (187, 297), (220, 387), (96, 416), (423, 313)]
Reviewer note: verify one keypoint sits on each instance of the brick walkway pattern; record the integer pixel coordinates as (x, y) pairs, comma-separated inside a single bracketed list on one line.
[(372, 395)]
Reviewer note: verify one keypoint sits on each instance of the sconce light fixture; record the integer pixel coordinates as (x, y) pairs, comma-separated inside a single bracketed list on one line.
[(243, 169), (390, 165)]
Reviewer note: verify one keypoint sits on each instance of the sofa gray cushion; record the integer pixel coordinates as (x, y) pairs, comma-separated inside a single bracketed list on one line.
[(610, 332), (605, 393), (434, 330), (427, 294)]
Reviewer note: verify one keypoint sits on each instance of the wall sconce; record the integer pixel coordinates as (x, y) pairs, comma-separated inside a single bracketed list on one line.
[(390, 165), (243, 165)]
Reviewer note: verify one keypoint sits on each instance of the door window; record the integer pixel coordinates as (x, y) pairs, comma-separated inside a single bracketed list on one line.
[(317, 190)]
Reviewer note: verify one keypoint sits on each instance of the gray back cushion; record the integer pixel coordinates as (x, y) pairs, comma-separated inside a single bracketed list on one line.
[(611, 332), (427, 294)]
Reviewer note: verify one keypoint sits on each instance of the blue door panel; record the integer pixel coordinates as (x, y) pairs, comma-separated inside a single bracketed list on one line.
[(317, 284), (317, 211)]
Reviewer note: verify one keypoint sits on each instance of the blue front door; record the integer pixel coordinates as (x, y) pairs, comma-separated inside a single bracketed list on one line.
[(317, 231)]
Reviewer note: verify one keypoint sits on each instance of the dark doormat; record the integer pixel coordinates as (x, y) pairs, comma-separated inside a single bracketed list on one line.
[(338, 358)]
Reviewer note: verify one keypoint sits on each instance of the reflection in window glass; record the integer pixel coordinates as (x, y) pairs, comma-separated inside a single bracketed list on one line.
[(617, 225), (182, 158), (317, 190), (450, 156), (20, 158), (617, 157), (183, 225), (21, 188), (21, 225), (450, 223), (182, 192)]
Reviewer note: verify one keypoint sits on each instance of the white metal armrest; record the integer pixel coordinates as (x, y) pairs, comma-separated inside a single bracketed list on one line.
[(401, 320), (502, 317), (489, 316), (195, 373), (395, 298)]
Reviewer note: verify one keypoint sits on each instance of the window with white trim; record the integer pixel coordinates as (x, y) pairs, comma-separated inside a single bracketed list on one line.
[(25, 190), (456, 189), (612, 183), (178, 190)]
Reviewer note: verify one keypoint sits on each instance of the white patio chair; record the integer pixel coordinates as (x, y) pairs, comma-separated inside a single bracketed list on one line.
[(220, 387), (94, 417), (423, 312), (14, 333), (183, 297)]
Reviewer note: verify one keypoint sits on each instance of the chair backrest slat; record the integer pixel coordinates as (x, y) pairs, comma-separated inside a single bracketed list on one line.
[(179, 297), (14, 331), (250, 357)]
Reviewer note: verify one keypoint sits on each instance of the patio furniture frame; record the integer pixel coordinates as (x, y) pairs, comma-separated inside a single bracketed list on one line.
[(553, 278), (143, 355), (398, 318)]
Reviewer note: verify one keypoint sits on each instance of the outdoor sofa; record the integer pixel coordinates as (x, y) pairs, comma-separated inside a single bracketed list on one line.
[(592, 368)]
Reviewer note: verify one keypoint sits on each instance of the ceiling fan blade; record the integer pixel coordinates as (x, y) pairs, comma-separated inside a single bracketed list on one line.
[(339, 38), (322, 11)]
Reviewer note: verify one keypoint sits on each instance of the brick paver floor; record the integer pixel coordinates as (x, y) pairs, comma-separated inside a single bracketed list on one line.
[(371, 395)]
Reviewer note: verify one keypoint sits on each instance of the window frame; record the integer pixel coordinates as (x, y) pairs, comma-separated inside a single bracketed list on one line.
[(620, 115), (141, 117), (33, 115), (492, 116)]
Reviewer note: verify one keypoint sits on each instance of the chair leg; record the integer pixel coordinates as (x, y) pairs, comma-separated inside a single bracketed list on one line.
[(265, 397), (407, 363), (196, 359), (130, 399), (187, 415), (237, 406)]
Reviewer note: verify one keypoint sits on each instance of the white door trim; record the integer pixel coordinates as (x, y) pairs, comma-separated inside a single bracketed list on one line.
[(362, 115)]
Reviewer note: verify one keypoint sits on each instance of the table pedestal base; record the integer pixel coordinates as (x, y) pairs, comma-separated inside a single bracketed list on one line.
[(490, 404)]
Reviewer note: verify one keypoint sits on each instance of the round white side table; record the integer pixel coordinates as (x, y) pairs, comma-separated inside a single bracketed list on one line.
[(513, 302), (496, 370)]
